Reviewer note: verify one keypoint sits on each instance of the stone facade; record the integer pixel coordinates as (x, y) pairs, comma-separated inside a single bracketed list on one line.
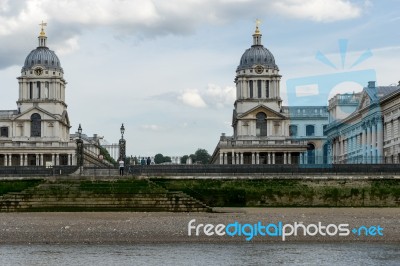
[(37, 133), (360, 136), (265, 132)]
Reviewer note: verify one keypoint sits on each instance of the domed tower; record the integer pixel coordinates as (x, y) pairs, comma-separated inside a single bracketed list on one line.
[(42, 91), (257, 77), (257, 85)]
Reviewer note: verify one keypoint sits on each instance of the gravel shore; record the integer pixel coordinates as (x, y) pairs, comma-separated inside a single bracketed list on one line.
[(141, 227)]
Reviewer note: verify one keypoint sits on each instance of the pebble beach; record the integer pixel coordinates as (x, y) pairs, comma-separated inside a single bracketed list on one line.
[(163, 227)]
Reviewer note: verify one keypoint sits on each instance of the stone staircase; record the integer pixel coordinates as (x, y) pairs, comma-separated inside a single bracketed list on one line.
[(99, 196)]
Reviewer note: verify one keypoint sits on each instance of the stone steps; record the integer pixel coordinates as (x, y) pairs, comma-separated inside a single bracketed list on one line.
[(54, 196)]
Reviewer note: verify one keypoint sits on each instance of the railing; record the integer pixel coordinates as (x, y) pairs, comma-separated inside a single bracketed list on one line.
[(162, 170)]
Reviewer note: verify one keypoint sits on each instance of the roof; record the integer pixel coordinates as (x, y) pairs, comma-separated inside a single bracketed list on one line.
[(380, 92), (5, 114), (42, 56)]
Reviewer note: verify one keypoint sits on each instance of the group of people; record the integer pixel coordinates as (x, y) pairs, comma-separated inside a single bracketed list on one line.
[(122, 164)]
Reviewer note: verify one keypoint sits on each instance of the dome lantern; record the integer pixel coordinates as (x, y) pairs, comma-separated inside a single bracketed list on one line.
[(257, 54), (42, 35), (42, 56), (257, 34)]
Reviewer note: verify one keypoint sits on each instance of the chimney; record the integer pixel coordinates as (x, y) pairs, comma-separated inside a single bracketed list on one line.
[(371, 84)]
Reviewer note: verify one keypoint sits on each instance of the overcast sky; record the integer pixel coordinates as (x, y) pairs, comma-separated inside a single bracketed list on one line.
[(166, 68)]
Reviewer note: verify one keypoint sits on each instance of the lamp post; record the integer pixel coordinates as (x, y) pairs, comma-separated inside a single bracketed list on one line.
[(122, 144), (79, 151)]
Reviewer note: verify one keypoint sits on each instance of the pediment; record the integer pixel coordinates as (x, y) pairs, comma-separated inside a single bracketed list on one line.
[(271, 114), (365, 101), (45, 115)]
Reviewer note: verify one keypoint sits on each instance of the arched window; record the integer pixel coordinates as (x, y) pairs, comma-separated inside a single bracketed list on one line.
[(36, 128), (310, 153), (261, 124)]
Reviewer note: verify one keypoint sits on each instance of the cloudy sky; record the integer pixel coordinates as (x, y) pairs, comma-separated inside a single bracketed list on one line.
[(166, 68)]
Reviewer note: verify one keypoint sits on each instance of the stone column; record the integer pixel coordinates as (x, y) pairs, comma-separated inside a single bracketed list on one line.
[(289, 158), (257, 158), (379, 140), (221, 158), (253, 158), (25, 159), (273, 158), (301, 158), (69, 159), (284, 158), (369, 143), (21, 159), (57, 159), (305, 158), (52, 159), (269, 157), (373, 143), (341, 144), (241, 158), (364, 144), (41, 159)]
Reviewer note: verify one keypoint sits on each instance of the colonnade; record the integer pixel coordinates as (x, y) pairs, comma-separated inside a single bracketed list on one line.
[(364, 146), (40, 159), (238, 157)]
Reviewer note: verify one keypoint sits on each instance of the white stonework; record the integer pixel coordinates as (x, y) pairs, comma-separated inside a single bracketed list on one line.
[(370, 133), (37, 133), (262, 127)]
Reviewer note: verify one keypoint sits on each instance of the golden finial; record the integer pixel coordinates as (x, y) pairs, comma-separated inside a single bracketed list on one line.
[(43, 24), (258, 22)]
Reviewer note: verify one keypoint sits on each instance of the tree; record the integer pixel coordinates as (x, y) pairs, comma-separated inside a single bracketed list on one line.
[(107, 156), (202, 155), (159, 158), (184, 159), (167, 159)]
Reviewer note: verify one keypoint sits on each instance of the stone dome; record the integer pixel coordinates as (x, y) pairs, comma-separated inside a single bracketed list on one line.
[(44, 57), (257, 55)]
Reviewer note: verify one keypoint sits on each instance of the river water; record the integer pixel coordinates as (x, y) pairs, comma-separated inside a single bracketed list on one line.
[(202, 254)]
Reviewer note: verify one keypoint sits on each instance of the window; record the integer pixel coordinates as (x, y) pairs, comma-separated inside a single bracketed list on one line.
[(30, 90), (310, 153), (36, 128), (310, 130), (261, 124), (38, 89), (267, 88), (251, 88), (4, 132), (46, 90), (259, 88), (293, 130)]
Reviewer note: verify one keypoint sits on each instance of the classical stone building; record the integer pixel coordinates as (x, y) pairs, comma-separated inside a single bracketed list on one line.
[(364, 126), (264, 131), (38, 132), (390, 105)]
